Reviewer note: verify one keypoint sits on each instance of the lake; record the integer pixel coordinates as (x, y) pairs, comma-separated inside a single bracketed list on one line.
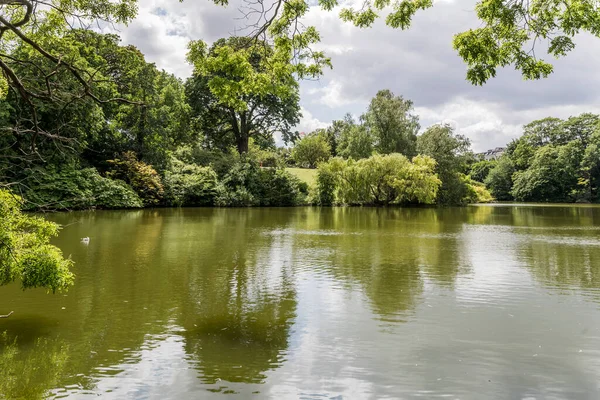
[(480, 302)]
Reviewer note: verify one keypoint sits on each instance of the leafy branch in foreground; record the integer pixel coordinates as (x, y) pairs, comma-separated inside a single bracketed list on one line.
[(509, 33), (25, 252)]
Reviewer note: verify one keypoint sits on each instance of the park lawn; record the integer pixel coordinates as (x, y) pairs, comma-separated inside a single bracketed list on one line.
[(307, 175)]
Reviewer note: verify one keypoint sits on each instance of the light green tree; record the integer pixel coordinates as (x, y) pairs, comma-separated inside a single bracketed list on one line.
[(25, 253), (311, 150), (378, 180)]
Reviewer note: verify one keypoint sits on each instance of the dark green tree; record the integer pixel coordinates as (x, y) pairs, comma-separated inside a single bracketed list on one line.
[(499, 179), (451, 152)]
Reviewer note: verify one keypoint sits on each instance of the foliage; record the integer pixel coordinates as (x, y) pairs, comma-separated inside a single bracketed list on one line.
[(499, 179), (70, 188), (390, 120), (554, 160), (142, 178), (552, 175), (220, 161), (246, 184), (377, 180), (311, 150), (25, 252), (189, 184), (476, 192), (355, 142), (481, 169), (451, 152), (241, 89)]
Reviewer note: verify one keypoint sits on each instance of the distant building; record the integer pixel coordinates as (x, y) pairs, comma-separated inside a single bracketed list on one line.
[(492, 154)]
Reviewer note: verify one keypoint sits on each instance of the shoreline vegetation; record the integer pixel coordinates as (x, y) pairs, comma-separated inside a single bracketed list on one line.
[(210, 141)]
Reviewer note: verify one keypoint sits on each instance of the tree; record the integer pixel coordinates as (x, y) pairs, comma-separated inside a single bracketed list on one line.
[(481, 169), (499, 179), (590, 169), (355, 142), (35, 26), (311, 150), (152, 120), (25, 252), (392, 124), (508, 35), (377, 180), (451, 152), (241, 90), (510, 32), (552, 175)]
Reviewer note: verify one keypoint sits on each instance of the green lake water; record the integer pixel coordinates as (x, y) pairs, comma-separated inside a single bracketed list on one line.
[(482, 302)]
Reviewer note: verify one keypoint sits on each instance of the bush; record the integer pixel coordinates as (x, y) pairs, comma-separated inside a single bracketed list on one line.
[(73, 189), (142, 177), (189, 184), (221, 162), (249, 185), (476, 192)]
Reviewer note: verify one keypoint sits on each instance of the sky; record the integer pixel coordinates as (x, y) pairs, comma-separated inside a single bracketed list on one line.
[(418, 64)]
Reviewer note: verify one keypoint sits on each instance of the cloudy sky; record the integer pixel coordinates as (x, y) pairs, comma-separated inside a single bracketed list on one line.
[(418, 64)]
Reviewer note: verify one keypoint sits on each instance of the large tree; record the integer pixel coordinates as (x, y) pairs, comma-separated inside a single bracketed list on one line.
[(392, 123), (241, 90), (451, 151), (152, 118)]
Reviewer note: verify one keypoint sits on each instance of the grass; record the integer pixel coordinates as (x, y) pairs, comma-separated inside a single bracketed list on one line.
[(307, 175)]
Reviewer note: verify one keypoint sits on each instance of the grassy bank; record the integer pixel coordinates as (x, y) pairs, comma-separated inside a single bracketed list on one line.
[(306, 175)]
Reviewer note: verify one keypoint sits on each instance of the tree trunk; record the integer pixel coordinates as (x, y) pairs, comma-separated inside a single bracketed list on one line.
[(242, 144)]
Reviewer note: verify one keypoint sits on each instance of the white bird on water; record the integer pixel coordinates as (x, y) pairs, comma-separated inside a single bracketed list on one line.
[(85, 240)]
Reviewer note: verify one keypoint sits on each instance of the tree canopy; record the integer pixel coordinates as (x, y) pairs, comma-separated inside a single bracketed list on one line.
[(241, 90), (451, 152), (392, 123)]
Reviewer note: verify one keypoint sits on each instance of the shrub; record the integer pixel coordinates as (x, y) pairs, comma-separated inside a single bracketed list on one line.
[(72, 189), (189, 184), (142, 177), (280, 188), (247, 184), (221, 162), (476, 192)]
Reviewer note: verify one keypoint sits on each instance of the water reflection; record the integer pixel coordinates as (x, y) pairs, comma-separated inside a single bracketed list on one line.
[(309, 302)]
